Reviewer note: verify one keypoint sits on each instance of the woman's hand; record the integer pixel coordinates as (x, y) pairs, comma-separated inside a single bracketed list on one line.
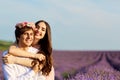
[(37, 66), (9, 59), (41, 57)]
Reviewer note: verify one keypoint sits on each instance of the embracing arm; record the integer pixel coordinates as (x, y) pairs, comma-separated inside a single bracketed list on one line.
[(24, 61), (28, 62), (13, 50), (10, 59), (18, 52), (34, 64)]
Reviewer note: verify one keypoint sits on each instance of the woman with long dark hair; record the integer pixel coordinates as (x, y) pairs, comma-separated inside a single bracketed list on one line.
[(43, 44)]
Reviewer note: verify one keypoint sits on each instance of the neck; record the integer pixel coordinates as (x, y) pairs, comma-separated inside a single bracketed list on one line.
[(35, 44)]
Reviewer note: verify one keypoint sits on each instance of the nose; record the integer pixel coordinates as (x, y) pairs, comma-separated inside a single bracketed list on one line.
[(35, 29), (39, 30), (28, 36)]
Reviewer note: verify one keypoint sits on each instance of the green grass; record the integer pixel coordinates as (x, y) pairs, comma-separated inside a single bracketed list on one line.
[(4, 45), (68, 73)]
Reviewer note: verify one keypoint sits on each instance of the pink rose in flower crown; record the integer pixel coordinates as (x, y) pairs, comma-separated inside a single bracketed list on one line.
[(24, 24)]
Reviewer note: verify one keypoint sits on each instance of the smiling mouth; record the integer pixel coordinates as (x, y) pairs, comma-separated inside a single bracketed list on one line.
[(28, 41), (38, 34)]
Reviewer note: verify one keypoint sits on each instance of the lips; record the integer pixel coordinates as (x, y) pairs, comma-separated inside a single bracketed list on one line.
[(28, 41), (38, 34)]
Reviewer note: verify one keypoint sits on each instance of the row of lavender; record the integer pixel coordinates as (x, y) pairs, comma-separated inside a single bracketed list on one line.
[(107, 68)]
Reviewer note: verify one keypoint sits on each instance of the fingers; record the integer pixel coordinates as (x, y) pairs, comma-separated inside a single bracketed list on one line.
[(42, 58), (8, 59), (37, 66), (40, 67), (7, 55), (4, 59)]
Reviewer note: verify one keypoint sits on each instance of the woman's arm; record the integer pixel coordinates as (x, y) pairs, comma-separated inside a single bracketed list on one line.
[(18, 52), (21, 53), (10, 59), (24, 61)]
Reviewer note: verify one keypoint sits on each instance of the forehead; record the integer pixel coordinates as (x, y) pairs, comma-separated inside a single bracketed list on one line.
[(42, 24), (29, 31)]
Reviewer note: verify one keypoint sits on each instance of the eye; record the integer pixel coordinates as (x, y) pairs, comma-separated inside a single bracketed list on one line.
[(43, 29), (24, 33), (37, 26), (31, 34)]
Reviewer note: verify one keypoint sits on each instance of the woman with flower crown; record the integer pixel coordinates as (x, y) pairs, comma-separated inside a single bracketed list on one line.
[(42, 42)]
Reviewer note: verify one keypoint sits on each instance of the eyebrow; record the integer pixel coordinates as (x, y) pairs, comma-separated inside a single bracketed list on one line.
[(43, 28), (37, 26)]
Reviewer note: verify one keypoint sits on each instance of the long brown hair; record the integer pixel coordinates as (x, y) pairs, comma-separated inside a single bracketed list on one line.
[(46, 47)]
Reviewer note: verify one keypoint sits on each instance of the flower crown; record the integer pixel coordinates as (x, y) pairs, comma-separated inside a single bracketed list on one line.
[(24, 24)]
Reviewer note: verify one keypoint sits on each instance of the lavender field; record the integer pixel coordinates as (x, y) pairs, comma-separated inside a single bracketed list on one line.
[(85, 65)]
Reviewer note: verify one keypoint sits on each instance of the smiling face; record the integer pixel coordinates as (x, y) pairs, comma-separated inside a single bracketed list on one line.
[(26, 38), (40, 30)]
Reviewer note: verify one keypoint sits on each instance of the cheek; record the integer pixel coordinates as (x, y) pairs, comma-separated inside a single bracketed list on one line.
[(35, 29), (32, 37), (44, 34), (22, 37)]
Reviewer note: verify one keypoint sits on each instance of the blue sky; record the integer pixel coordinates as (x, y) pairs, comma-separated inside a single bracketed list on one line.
[(75, 24)]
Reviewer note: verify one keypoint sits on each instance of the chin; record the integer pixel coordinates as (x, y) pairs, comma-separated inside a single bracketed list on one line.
[(29, 44), (38, 38)]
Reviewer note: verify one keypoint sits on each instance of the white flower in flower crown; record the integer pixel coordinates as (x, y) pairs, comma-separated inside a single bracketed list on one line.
[(31, 24)]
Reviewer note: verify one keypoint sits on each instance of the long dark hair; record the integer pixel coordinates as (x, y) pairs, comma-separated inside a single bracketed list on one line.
[(46, 47)]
